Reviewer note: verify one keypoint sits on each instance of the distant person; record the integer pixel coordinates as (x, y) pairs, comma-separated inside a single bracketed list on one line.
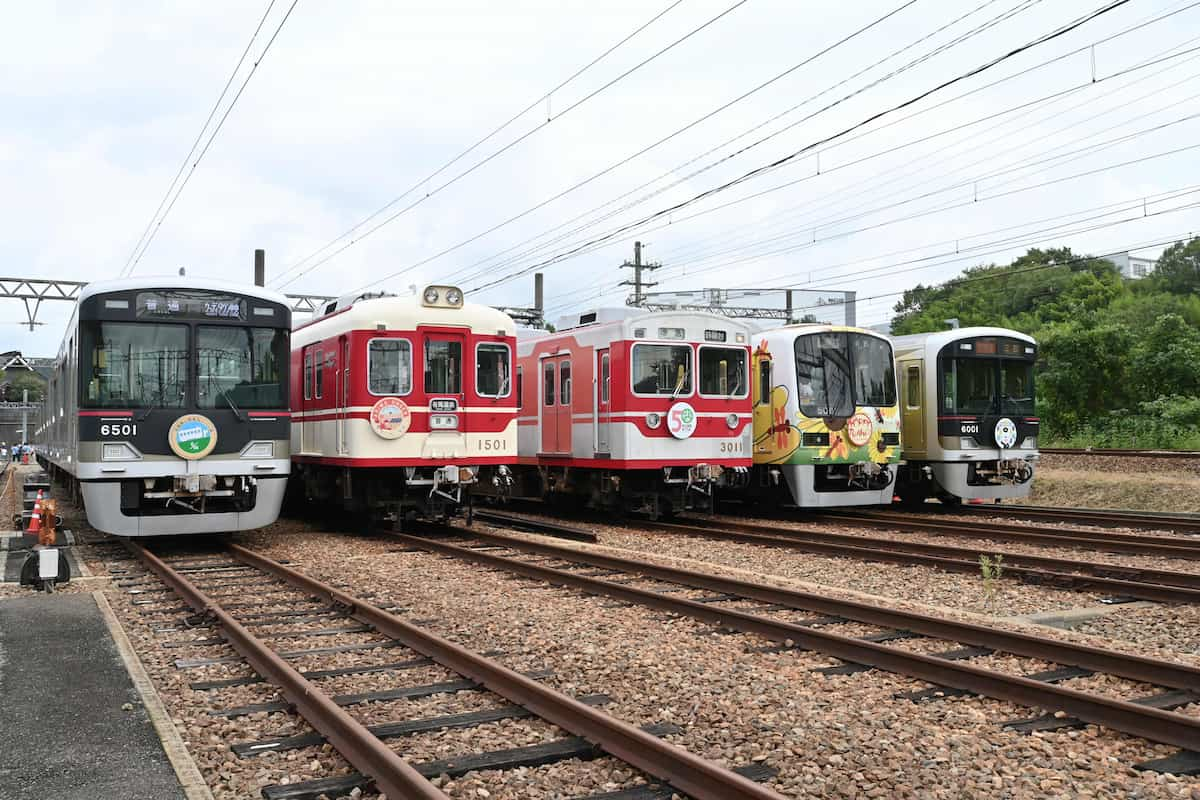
[(16, 452)]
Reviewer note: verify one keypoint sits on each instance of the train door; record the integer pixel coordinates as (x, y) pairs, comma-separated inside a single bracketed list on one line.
[(603, 403), (764, 403), (913, 417), (566, 395), (308, 427), (554, 415), (444, 374), (343, 395)]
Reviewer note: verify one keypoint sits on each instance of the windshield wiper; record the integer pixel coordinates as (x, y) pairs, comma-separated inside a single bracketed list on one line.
[(237, 412), (679, 385)]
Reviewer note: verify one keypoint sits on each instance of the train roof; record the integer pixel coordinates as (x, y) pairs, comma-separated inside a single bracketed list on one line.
[(180, 282), (404, 314), (936, 340), (820, 327), (628, 317)]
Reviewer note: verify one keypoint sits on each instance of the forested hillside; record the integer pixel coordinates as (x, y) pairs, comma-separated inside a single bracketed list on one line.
[(1120, 360)]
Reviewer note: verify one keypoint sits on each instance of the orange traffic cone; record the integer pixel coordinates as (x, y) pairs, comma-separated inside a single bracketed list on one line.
[(35, 520)]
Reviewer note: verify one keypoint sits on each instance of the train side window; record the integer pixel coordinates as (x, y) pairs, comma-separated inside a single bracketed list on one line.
[(520, 387), (564, 383), (914, 387), (319, 373), (308, 374), (764, 382), (548, 383)]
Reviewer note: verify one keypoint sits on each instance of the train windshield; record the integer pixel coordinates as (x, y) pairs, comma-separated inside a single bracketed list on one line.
[(134, 365), (492, 370), (723, 371), (662, 369), (240, 367), (835, 372), (443, 366), (975, 386)]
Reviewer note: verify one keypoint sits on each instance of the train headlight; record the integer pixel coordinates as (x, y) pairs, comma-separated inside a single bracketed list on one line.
[(731, 420), (119, 451), (653, 419), (259, 450), (431, 295), (454, 297)]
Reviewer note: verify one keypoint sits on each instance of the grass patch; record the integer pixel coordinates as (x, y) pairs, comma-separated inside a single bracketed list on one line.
[(1135, 491)]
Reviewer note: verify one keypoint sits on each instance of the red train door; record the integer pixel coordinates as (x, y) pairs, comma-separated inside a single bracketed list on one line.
[(445, 374), (554, 414), (566, 394)]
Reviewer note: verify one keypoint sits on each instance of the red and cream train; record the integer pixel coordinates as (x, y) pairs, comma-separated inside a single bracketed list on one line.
[(402, 405)]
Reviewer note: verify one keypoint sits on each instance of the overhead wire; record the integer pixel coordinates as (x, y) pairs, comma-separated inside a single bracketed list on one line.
[(601, 241), (397, 214), (612, 167), (488, 137), (212, 113), (1061, 31)]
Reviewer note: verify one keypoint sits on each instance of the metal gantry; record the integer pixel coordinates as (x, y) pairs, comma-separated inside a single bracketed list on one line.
[(34, 291)]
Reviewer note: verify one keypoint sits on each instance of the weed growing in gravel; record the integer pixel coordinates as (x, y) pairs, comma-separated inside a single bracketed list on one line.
[(992, 570)]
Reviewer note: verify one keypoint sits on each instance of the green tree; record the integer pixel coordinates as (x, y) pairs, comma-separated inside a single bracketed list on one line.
[(1084, 372), (1178, 269), (1166, 359), (18, 380)]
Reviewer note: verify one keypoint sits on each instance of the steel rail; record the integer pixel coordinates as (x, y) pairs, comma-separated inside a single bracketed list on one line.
[(365, 751), (1117, 451), (1184, 587), (1134, 667), (1148, 723), (685, 771), (1132, 543), (1108, 518)]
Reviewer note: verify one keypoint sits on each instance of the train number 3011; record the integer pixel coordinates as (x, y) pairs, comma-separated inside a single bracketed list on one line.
[(118, 430)]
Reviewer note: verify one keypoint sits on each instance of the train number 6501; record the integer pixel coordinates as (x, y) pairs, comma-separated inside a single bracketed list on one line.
[(126, 429)]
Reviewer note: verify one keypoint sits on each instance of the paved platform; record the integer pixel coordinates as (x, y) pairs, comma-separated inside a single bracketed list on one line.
[(64, 733)]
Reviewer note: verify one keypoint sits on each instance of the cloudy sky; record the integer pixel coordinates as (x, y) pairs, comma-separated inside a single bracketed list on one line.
[(359, 105)]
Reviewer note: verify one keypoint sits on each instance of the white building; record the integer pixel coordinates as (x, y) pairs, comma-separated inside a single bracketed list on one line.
[(1133, 267)]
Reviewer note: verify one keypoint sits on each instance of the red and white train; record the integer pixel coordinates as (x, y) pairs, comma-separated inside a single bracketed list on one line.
[(402, 405), (633, 410)]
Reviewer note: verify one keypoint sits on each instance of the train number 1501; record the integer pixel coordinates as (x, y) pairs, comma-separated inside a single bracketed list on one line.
[(118, 429), (492, 444)]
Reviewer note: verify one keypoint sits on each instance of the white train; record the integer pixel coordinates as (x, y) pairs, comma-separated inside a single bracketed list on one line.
[(969, 425), (167, 412)]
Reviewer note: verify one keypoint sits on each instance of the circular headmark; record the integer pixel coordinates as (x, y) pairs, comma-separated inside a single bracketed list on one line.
[(681, 420), (1006, 432), (192, 436), (390, 417), (858, 429)]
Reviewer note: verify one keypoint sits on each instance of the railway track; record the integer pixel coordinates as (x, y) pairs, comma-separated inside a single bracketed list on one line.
[(724, 604), (1187, 524), (1117, 451), (1164, 586), (1183, 547), (204, 583)]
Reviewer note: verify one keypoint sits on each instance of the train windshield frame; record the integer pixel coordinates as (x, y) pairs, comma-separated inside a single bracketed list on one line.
[(987, 377), (838, 371)]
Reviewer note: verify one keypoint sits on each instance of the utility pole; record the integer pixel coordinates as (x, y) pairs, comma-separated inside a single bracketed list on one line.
[(639, 286), (25, 416), (260, 267)]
